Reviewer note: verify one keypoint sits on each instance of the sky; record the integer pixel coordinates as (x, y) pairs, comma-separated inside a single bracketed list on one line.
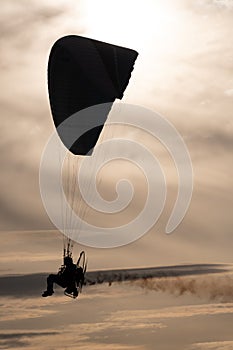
[(184, 73)]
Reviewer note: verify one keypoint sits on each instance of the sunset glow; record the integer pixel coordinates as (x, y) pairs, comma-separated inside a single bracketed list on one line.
[(132, 23)]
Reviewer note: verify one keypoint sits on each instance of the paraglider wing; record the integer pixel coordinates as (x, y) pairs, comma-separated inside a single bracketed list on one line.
[(83, 72)]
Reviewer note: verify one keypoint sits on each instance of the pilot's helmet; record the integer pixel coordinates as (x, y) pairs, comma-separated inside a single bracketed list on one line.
[(68, 260)]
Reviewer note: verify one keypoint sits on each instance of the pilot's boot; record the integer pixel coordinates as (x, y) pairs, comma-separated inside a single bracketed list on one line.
[(47, 293)]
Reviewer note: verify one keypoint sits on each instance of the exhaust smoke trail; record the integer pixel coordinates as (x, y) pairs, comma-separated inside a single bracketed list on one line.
[(218, 288)]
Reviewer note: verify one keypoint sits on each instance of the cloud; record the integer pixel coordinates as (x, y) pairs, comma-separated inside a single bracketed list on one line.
[(87, 335), (28, 32), (61, 341), (215, 345), (23, 309), (229, 92), (23, 286), (150, 316), (17, 340), (228, 4)]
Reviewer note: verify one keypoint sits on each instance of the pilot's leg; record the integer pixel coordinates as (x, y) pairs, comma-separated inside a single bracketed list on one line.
[(50, 281), (71, 288)]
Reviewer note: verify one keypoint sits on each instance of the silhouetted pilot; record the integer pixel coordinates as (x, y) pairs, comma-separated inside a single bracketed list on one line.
[(68, 277)]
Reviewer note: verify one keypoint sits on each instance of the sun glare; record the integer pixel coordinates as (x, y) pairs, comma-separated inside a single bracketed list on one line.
[(130, 23)]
